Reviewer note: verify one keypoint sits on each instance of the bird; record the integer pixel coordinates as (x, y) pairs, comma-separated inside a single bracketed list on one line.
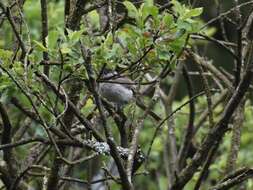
[(116, 89), (120, 90)]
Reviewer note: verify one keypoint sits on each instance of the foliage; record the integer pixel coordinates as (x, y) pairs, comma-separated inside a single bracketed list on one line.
[(57, 117)]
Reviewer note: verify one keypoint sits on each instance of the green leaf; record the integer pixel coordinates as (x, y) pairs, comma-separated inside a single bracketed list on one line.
[(178, 44), (40, 46), (132, 10), (19, 68), (5, 56), (154, 11), (65, 48), (178, 8), (193, 12), (149, 10), (94, 20), (210, 31), (75, 36), (182, 24), (149, 2), (109, 40), (52, 39), (62, 33), (167, 20), (88, 107), (68, 67), (163, 54), (4, 82)]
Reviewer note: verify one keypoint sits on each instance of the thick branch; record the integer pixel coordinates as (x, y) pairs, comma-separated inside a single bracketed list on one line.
[(234, 179), (6, 136), (6, 139), (111, 142)]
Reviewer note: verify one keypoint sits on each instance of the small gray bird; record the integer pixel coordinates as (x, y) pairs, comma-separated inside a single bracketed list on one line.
[(120, 90)]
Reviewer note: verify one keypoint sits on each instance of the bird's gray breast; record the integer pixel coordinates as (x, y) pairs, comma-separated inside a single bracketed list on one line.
[(115, 93)]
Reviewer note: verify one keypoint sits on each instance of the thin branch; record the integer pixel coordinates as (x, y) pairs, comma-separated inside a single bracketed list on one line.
[(71, 106), (170, 143), (215, 134), (202, 117), (184, 149), (44, 33), (226, 13), (33, 116), (223, 45), (8, 14), (200, 60), (160, 125)]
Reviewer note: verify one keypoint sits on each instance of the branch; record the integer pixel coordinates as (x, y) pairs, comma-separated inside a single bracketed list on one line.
[(205, 168), (6, 135), (226, 13), (236, 138), (33, 116), (206, 85), (187, 139), (126, 184), (6, 139), (101, 148), (170, 143), (160, 125), (222, 44), (74, 19), (71, 106), (44, 33), (203, 116), (67, 120), (215, 134), (234, 179), (219, 75), (7, 12)]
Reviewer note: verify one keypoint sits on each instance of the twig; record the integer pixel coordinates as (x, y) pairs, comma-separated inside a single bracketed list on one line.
[(226, 13), (80, 160), (204, 114), (158, 128), (200, 60), (73, 108), (221, 44)]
